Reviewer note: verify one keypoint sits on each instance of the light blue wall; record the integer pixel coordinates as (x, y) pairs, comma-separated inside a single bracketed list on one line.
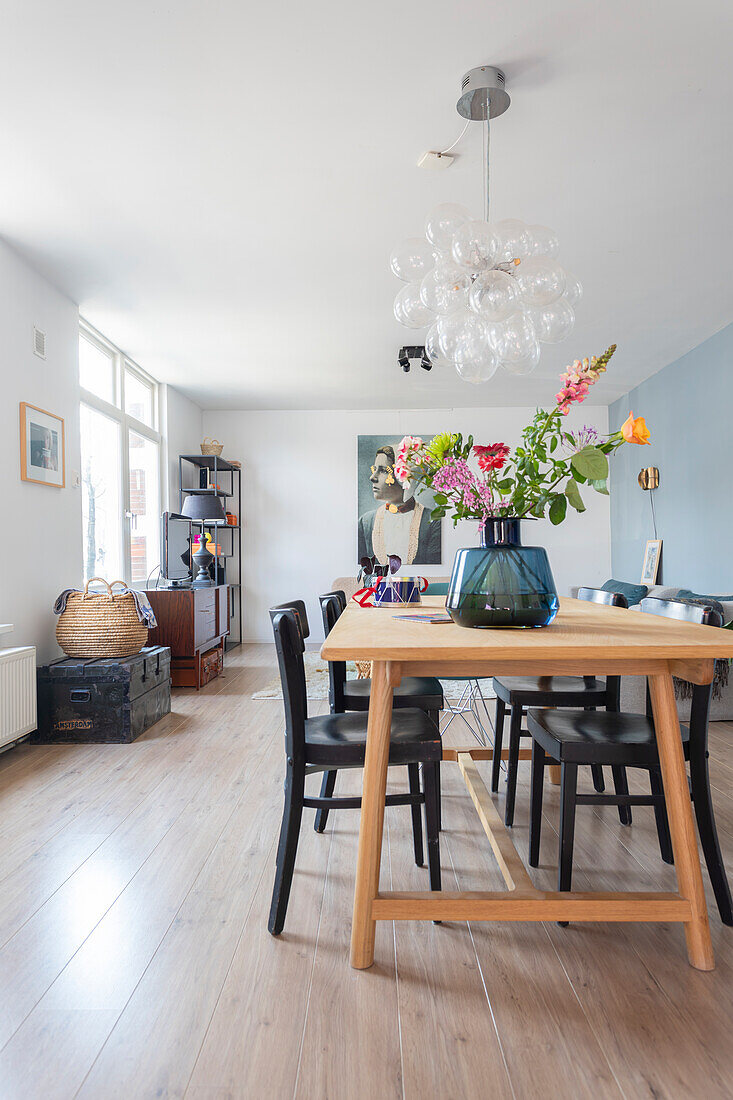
[(688, 408)]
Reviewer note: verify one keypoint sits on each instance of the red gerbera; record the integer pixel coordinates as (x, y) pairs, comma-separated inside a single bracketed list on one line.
[(492, 457)]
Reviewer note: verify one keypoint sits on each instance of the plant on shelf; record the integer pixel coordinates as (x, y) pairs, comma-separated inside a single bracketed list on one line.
[(540, 478)]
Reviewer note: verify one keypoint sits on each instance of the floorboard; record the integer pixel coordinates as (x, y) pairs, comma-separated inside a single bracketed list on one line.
[(135, 960)]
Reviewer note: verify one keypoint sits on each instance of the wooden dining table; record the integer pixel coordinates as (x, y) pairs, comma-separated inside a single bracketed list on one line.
[(585, 639)]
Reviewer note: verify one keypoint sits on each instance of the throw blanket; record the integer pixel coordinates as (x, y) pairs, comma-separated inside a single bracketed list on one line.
[(683, 688), (145, 612)]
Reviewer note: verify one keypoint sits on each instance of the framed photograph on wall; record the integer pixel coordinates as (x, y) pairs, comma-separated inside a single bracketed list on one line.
[(42, 448), (651, 561), (392, 518)]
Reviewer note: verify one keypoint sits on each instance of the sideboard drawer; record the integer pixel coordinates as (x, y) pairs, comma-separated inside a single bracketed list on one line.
[(204, 599), (204, 626)]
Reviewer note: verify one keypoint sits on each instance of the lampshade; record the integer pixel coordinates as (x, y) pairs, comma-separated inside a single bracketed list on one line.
[(204, 506)]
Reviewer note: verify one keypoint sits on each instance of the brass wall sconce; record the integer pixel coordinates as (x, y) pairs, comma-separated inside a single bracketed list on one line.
[(649, 477)]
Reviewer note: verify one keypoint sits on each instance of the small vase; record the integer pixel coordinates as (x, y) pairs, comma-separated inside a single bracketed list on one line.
[(502, 584)]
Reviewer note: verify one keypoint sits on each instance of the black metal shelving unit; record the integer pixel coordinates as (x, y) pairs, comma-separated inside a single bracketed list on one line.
[(231, 548)]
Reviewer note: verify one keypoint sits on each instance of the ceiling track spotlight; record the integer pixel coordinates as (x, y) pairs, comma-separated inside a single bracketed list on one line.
[(413, 351), (489, 293)]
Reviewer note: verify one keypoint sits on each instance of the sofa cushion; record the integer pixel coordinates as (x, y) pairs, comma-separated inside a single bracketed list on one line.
[(633, 592)]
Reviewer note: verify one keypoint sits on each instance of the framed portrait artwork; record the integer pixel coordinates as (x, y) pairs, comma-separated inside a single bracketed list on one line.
[(42, 447), (392, 518), (651, 561)]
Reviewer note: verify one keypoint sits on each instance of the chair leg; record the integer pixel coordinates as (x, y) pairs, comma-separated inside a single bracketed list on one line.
[(535, 805), (413, 777), (703, 803), (599, 783), (498, 739), (430, 787), (621, 786), (568, 789), (327, 785), (286, 849), (515, 733), (434, 716), (660, 814)]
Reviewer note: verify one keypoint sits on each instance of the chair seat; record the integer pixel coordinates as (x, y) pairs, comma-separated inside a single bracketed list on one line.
[(424, 692), (597, 737), (339, 740), (551, 691)]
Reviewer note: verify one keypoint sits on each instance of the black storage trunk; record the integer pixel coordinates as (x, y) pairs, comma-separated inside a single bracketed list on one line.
[(102, 700)]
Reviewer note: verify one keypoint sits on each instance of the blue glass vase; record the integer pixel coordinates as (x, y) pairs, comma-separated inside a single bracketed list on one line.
[(502, 583)]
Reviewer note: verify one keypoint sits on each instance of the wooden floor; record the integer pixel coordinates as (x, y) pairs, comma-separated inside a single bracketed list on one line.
[(136, 962)]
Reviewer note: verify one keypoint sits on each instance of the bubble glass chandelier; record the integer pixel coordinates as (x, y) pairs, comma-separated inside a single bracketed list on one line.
[(488, 293)]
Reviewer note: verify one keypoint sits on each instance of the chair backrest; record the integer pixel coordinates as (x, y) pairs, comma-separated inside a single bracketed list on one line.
[(290, 646), (597, 595), (611, 599), (298, 606), (333, 604), (701, 693), (437, 588)]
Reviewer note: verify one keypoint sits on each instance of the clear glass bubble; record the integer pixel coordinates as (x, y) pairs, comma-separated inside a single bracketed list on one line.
[(475, 246), (545, 241), (445, 289), (541, 281), (517, 338), (409, 309), (573, 289), (433, 348), (494, 295), (444, 222), (555, 322), (525, 365), (478, 368), (412, 259), (462, 335), (515, 240)]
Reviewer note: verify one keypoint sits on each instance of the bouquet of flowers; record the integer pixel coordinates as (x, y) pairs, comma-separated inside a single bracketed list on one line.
[(541, 477)]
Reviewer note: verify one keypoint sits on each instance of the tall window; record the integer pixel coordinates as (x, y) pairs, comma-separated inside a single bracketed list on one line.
[(120, 460)]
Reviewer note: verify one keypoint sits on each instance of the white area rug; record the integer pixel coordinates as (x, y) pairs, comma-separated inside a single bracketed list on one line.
[(316, 675)]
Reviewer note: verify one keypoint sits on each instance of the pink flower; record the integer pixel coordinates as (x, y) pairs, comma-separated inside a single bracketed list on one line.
[(409, 445)]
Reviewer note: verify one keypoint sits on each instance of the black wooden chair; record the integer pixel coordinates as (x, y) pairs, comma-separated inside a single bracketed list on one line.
[(334, 741), (521, 692), (627, 740), (423, 692)]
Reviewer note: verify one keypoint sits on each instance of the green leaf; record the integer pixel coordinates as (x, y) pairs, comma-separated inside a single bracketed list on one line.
[(591, 463), (505, 485), (553, 444), (572, 492), (600, 486), (558, 509), (437, 513), (441, 498)]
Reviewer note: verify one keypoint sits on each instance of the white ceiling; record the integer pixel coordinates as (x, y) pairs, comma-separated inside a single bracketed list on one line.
[(219, 185)]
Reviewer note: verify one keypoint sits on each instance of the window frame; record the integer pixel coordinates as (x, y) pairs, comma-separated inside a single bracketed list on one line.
[(128, 423)]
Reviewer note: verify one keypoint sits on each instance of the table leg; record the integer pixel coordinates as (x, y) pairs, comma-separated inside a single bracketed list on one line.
[(681, 826), (554, 773), (374, 789)]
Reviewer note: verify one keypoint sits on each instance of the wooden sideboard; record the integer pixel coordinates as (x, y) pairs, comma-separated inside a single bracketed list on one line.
[(193, 622)]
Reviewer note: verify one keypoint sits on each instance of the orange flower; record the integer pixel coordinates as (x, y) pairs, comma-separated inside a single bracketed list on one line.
[(634, 430)]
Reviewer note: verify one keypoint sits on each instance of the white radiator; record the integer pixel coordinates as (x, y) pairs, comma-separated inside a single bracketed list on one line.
[(17, 693)]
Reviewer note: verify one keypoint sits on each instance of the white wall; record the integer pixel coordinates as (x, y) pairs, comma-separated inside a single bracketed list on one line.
[(300, 511), (40, 546), (182, 428)]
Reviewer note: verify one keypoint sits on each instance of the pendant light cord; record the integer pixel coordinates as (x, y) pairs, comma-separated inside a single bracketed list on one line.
[(442, 151), (487, 143)]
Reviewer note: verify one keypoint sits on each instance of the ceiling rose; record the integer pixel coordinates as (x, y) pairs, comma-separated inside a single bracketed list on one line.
[(488, 293)]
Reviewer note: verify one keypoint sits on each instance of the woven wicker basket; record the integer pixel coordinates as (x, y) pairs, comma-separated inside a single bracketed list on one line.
[(211, 447), (101, 624)]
